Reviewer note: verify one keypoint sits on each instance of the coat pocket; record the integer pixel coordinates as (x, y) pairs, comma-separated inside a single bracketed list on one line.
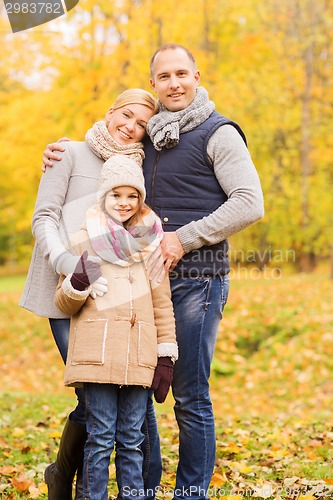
[(89, 342), (147, 344)]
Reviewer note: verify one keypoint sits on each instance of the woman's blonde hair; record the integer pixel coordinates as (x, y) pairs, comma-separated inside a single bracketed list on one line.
[(136, 96)]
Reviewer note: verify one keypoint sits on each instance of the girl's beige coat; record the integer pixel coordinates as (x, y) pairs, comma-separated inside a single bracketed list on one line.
[(118, 337)]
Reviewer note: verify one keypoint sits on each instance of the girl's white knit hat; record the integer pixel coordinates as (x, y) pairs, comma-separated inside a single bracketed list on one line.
[(120, 170)]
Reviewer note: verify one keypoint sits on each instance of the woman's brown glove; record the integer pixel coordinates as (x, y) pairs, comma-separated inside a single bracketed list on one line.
[(162, 378)]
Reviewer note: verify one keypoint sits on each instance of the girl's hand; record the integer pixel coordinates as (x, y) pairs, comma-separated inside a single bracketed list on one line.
[(162, 379), (99, 287)]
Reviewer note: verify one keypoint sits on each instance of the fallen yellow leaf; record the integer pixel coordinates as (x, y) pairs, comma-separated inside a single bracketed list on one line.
[(241, 467), (218, 479), (55, 434), (43, 488), (18, 432), (232, 497)]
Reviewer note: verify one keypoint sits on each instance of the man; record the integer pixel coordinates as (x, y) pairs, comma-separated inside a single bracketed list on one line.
[(201, 181)]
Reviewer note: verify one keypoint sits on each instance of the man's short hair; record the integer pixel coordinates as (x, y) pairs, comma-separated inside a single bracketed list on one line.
[(171, 46)]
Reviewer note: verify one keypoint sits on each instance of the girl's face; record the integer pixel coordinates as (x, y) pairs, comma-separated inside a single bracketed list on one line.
[(128, 124), (122, 202)]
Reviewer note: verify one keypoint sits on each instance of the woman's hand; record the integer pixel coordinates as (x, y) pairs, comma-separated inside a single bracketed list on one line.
[(85, 273)]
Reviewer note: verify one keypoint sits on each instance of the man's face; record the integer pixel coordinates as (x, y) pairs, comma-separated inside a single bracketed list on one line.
[(175, 79)]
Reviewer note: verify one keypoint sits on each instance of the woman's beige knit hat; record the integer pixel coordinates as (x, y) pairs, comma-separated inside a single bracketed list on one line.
[(120, 170)]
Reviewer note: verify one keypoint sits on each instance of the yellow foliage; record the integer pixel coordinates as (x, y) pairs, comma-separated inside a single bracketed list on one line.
[(268, 66), (55, 434), (18, 432)]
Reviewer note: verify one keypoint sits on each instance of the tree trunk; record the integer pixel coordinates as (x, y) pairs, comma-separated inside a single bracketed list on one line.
[(331, 275), (308, 259)]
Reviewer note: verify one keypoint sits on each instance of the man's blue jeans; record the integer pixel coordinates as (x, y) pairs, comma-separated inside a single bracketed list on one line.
[(152, 462), (198, 305), (114, 412)]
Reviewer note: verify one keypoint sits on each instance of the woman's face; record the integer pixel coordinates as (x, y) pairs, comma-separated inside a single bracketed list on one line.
[(127, 124), (122, 202)]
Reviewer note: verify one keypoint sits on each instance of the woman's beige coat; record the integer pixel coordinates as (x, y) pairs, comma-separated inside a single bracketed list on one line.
[(117, 338)]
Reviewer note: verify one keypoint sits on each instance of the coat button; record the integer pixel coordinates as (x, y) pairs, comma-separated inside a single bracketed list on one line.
[(133, 319), (165, 219)]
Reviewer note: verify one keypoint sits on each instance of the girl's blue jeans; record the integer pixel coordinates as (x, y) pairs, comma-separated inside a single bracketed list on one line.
[(114, 413), (152, 462)]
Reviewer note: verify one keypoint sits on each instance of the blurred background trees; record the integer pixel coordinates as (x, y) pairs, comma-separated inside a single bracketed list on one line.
[(267, 65)]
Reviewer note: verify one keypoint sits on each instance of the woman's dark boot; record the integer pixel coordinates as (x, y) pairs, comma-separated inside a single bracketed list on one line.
[(59, 475), (79, 482)]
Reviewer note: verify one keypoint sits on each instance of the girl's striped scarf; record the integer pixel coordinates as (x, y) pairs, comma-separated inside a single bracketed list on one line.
[(114, 243)]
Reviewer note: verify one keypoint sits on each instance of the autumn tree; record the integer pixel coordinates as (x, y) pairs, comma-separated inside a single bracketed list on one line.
[(267, 65)]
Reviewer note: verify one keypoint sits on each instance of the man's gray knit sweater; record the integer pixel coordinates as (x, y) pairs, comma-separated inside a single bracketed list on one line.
[(237, 176)]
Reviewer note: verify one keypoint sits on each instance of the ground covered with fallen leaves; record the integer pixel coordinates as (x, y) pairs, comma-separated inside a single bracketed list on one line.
[(272, 390)]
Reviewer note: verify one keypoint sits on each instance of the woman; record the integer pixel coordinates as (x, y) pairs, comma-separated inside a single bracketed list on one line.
[(64, 195)]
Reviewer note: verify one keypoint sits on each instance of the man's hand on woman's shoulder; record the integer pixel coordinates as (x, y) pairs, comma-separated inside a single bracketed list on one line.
[(49, 154)]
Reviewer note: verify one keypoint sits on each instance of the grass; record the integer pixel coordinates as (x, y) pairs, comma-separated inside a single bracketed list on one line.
[(11, 283), (271, 388)]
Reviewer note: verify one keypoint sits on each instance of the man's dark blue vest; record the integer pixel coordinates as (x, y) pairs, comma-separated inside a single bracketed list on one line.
[(181, 187)]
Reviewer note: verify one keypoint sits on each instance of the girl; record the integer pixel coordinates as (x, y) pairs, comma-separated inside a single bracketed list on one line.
[(64, 195), (116, 339)]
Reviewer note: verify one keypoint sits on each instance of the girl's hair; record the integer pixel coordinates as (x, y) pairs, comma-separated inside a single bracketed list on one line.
[(136, 96), (142, 209)]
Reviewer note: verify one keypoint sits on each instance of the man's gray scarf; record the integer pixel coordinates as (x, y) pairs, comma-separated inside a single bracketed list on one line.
[(165, 127)]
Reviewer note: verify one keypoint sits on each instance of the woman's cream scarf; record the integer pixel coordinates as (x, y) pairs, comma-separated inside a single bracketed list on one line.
[(104, 146)]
